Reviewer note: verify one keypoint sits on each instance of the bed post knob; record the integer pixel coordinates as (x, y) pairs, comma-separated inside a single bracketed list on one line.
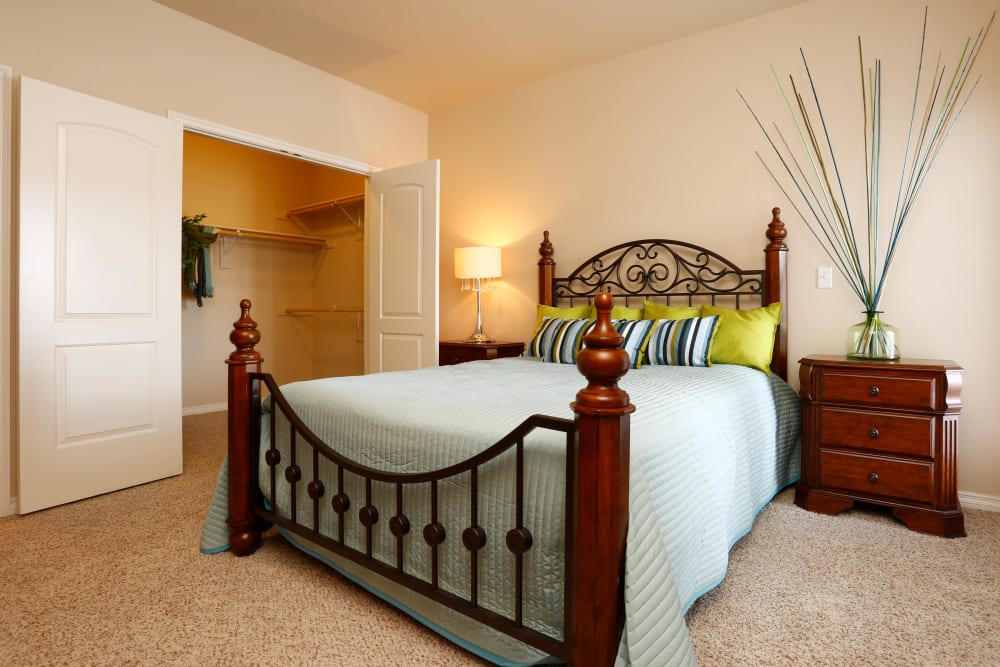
[(603, 362), (546, 271), (776, 231), (244, 336)]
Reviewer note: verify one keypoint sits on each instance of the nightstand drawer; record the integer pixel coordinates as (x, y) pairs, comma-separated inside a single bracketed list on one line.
[(911, 435), (882, 390), (459, 355), (459, 352), (870, 475)]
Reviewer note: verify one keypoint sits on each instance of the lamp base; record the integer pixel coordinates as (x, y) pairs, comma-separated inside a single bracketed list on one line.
[(478, 337)]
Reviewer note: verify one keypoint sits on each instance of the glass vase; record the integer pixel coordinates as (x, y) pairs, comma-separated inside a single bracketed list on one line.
[(872, 338)]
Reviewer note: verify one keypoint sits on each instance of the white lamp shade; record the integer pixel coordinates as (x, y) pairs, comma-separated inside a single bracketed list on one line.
[(477, 262)]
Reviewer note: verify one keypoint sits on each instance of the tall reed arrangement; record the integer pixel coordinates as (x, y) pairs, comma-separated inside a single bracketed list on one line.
[(863, 247)]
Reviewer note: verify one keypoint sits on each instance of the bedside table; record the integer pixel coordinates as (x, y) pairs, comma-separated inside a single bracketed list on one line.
[(882, 432), (457, 351)]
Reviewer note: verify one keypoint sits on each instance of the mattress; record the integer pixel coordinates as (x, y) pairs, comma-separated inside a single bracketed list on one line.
[(709, 448)]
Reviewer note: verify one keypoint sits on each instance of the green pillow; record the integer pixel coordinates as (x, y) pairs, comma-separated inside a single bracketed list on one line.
[(658, 311), (574, 313), (745, 337), (620, 313)]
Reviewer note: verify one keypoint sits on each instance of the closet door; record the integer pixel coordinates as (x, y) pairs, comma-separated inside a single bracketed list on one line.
[(99, 299), (401, 268)]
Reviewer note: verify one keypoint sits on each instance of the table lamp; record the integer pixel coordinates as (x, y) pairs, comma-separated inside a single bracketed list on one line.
[(475, 266)]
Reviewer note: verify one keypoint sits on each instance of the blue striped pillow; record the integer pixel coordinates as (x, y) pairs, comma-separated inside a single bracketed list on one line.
[(558, 340), (682, 342), (635, 333)]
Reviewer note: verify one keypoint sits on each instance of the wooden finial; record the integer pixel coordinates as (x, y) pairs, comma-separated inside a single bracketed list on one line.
[(603, 362), (545, 250), (776, 231), (244, 336)]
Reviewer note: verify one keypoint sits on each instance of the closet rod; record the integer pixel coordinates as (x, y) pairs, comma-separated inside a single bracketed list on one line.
[(243, 232), (334, 309)]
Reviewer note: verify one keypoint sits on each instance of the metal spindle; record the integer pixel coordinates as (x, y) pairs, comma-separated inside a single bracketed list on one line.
[(291, 477), (474, 553), (519, 522), (399, 538)]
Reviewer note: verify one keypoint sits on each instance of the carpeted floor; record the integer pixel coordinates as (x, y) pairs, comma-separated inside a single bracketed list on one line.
[(118, 580)]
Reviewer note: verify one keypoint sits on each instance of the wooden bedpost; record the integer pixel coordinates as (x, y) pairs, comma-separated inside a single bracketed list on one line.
[(776, 288), (600, 478), (546, 271), (244, 536)]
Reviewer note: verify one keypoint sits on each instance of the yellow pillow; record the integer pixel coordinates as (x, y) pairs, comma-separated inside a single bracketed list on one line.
[(658, 311), (574, 313), (745, 337)]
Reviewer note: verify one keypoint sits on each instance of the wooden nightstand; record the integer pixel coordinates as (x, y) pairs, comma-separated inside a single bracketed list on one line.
[(457, 351), (882, 432)]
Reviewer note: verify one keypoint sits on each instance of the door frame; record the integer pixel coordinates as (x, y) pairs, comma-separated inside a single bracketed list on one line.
[(8, 504), (232, 134)]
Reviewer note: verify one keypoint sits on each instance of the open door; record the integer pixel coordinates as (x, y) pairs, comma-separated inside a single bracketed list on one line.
[(401, 268), (99, 299)]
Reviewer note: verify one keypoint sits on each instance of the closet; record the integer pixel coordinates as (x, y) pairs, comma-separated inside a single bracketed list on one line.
[(290, 238)]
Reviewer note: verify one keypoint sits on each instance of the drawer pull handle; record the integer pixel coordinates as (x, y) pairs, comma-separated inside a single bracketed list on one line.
[(873, 477), (873, 433), (873, 390)]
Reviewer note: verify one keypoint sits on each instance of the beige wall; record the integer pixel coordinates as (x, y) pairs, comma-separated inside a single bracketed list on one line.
[(143, 55), (238, 186), (658, 144)]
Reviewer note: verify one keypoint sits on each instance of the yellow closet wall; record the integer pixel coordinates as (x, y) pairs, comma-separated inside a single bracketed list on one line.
[(238, 186)]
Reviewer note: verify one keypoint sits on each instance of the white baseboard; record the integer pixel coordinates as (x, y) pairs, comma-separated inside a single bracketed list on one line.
[(202, 409), (979, 501), (9, 509)]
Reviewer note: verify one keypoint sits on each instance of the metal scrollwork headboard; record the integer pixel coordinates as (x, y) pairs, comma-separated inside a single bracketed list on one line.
[(673, 272)]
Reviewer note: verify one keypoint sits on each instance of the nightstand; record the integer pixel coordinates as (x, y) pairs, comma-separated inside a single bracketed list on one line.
[(882, 432), (457, 351)]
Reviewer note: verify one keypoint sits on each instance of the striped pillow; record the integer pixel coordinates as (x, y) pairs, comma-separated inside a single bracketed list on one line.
[(558, 340), (635, 333), (682, 342)]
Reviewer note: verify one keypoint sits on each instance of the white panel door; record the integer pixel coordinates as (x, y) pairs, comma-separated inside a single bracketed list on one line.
[(401, 268), (99, 299)]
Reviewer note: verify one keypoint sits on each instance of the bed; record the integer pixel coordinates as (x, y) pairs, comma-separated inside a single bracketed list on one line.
[(526, 513)]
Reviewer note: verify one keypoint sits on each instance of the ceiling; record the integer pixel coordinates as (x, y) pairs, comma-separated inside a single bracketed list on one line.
[(432, 54)]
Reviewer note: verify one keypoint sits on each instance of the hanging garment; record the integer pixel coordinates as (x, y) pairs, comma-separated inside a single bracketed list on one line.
[(196, 260)]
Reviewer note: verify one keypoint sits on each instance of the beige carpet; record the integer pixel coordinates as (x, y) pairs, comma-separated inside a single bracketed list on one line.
[(118, 580)]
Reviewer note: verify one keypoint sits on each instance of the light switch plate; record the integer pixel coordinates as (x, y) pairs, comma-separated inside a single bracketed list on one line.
[(824, 277)]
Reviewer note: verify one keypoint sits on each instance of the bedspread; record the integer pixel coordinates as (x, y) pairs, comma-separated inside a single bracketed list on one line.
[(709, 448)]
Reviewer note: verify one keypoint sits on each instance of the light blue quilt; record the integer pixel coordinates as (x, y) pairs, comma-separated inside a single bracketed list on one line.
[(709, 448)]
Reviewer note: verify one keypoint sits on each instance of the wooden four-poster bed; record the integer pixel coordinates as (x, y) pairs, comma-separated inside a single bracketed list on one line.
[(361, 511)]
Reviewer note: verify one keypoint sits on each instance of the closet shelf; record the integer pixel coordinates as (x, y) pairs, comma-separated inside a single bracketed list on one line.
[(332, 208), (264, 235)]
